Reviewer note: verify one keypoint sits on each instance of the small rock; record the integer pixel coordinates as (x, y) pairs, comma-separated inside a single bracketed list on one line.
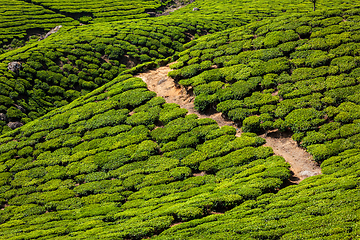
[(20, 108), (161, 81), (152, 14), (3, 117), (196, 9), (306, 173), (14, 67), (14, 125)]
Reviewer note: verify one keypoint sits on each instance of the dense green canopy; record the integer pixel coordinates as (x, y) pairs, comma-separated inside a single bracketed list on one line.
[(101, 157)]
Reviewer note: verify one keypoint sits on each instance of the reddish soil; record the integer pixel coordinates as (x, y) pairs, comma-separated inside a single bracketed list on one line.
[(302, 164)]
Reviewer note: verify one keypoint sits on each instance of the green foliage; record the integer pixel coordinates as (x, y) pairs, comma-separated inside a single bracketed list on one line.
[(93, 161), (303, 119), (120, 163)]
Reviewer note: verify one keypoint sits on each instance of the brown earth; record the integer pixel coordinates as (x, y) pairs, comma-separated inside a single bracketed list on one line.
[(302, 164), (175, 5), (158, 81)]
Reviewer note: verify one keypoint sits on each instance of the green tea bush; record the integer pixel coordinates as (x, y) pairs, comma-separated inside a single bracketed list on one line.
[(251, 124), (303, 119)]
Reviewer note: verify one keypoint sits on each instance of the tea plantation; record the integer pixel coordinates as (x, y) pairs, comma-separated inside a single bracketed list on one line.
[(121, 163), (59, 69), (299, 73), (88, 152)]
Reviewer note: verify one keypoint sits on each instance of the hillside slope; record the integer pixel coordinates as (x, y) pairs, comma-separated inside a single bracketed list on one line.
[(62, 67), (101, 157), (77, 60), (121, 163)]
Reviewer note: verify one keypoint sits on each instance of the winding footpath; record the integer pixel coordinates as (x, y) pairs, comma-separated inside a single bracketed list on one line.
[(301, 162)]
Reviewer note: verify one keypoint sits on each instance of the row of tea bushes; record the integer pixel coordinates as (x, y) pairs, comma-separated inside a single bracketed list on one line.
[(62, 67), (19, 20), (321, 207), (102, 11), (119, 162), (299, 73)]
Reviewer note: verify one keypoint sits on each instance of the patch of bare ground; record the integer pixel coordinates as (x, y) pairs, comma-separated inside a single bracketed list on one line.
[(174, 224), (173, 6), (302, 163), (203, 173)]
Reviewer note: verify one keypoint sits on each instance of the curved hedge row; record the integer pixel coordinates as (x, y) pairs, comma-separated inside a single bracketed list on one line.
[(298, 73), (102, 11), (321, 207), (121, 163), (19, 19)]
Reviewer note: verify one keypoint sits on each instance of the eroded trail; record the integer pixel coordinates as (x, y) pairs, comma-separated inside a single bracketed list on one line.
[(158, 81), (301, 162)]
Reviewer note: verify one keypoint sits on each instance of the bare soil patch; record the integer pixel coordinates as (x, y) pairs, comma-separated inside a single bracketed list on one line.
[(175, 5), (203, 173), (174, 224), (302, 163), (158, 81)]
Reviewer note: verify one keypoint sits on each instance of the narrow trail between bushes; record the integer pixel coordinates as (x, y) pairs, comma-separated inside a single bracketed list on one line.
[(302, 164), (164, 86)]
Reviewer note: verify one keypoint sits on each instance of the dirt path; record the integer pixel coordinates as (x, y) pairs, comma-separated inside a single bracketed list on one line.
[(158, 81), (301, 162), (177, 4)]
